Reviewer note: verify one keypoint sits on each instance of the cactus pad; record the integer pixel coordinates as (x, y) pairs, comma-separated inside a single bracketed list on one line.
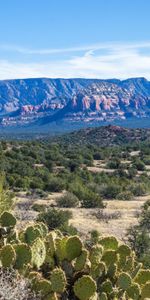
[(145, 294), (38, 253), (73, 247), (81, 260), (124, 281), (109, 243), (23, 255), (85, 287), (7, 219), (134, 291), (31, 234), (142, 276), (7, 256), (58, 280)]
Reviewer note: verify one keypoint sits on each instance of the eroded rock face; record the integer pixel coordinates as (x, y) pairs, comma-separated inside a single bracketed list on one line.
[(85, 99)]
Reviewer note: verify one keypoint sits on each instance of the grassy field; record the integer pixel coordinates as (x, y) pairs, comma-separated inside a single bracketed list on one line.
[(84, 219)]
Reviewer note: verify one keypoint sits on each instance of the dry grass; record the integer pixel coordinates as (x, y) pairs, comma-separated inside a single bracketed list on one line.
[(85, 222), (83, 219)]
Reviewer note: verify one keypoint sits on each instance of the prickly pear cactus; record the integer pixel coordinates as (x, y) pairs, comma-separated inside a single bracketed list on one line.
[(7, 256), (73, 247), (85, 288), (124, 281), (23, 255), (81, 260), (38, 251), (62, 267), (58, 280), (31, 234), (109, 243), (7, 219)]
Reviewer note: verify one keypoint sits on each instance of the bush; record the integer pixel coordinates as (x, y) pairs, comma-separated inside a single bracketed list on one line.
[(6, 197), (38, 207), (113, 164), (68, 200), (91, 200), (68, 229), (132, 172), (138, 189), (138, 236), (139, 165), (55, 185), (111, 191), (95, 236), (105, 216), (36, 183), (125, 196), (54, 218)]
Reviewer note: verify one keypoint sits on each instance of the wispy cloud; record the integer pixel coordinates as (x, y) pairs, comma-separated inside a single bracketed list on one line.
[(98, 46), (119, 60)]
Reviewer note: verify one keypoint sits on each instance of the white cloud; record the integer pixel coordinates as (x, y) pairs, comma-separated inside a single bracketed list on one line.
[(119, 61), (91, 47)]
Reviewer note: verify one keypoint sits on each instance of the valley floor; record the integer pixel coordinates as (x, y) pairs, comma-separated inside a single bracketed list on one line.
[(84, 219)]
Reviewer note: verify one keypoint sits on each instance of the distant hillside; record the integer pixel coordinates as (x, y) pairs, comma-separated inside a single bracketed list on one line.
[(106, 136), (39, 93), (42, 101)]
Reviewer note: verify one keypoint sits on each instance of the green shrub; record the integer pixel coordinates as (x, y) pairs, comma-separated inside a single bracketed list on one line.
[(38, 207), (138, 189), (68, 200), (111, 191), (127, 195), (54, 218), (139, 165), (91, 200), (55, 185)]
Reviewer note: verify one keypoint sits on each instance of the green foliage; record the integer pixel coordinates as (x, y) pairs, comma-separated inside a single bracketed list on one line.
[(55, 185), (91, 200), (111, 191), (138, 236), (6, 197), (54, 218), (125, 196), (139, 165), (68, 200)]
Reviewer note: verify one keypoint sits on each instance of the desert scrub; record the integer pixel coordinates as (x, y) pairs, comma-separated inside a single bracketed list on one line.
[(15, 287), (68, 200), (54, 218)]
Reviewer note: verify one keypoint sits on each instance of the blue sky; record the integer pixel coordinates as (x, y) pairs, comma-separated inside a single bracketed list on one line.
[(74, 38)]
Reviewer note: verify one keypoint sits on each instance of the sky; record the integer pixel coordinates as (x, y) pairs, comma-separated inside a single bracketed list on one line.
[(74, 38)]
